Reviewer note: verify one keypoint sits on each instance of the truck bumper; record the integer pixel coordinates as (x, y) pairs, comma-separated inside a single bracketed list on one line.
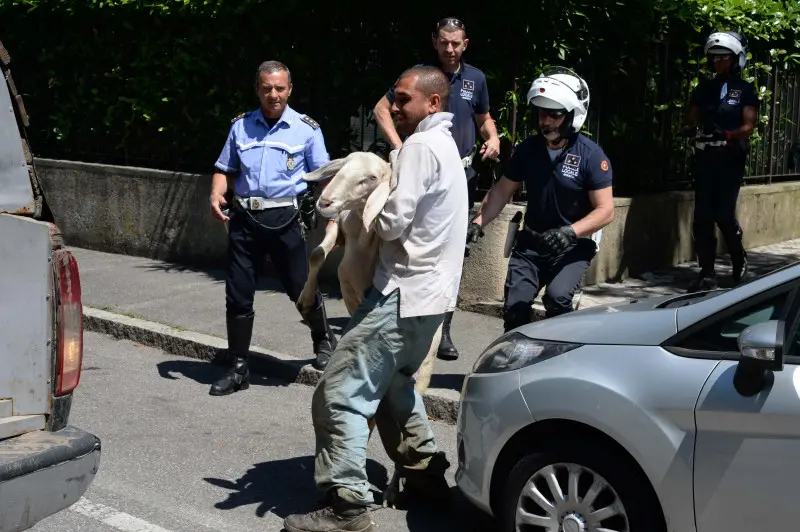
[(42, 472)]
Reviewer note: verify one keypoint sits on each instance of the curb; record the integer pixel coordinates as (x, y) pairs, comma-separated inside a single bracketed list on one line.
[(441, 404)]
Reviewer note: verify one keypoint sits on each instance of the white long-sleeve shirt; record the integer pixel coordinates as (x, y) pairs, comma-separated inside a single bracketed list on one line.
[(423, 225)]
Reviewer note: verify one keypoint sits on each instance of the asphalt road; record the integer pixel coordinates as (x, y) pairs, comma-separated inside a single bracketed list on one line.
[(176, 459)]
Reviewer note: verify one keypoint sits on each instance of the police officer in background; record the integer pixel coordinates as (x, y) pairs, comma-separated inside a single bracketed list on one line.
[(469, 104), (267, 152), (568, 181), (724, 110)]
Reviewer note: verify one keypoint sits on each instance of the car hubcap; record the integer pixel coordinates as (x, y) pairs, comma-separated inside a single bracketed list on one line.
[(569, 498)]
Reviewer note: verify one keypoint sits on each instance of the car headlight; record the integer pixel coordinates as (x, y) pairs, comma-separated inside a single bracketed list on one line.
[(515, 351)]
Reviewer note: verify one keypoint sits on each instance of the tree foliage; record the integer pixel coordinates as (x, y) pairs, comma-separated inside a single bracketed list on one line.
[(155, 83)]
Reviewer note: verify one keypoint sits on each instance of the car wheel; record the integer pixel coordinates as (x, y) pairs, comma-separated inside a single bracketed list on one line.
[(578, 489)]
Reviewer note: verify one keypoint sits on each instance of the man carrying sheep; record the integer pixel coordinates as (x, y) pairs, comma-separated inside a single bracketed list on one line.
[(415, 283), (469, 104)]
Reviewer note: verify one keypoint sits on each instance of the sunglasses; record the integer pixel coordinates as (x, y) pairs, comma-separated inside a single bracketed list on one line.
[(552, 113), (450, 22)]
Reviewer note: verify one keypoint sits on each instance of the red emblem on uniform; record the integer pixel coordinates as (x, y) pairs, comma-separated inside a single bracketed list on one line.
[(604, 166)]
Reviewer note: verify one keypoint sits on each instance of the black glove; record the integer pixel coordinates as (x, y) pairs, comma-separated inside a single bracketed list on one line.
[(559, 240), (473, 232), (689, 131)]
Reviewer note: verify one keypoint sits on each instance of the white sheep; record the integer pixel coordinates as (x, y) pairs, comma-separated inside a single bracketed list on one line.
[(357, 193)]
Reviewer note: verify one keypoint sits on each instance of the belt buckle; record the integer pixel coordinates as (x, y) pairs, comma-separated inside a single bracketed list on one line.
[(255, 204)]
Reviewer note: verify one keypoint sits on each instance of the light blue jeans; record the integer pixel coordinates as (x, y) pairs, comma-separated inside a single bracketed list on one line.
[(370, 375)]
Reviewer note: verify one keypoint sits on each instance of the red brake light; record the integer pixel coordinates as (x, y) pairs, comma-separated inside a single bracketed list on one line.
[(69, 311)]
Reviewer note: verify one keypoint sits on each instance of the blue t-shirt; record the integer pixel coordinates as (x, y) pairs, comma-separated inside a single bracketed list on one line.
[(558, 190), (468, 95)]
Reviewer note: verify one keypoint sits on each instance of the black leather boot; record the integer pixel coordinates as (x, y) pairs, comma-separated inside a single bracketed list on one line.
[(240, 330), (321, 335), (738, 258), (447, 351)]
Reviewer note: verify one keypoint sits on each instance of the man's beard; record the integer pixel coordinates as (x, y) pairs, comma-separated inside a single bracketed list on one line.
[(551, 134)]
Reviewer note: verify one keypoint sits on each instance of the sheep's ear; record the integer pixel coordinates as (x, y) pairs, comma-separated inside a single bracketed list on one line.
[(326, 170), (374, 205)]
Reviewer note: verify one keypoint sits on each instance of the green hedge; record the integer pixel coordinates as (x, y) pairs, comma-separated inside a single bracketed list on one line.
[(156, 83)]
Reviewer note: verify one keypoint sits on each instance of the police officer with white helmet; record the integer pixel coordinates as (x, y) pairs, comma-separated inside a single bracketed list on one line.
[(568, 180), (721, 120)]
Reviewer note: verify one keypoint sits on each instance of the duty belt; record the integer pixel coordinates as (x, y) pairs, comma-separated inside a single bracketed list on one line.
[(260, 204), (701, 145)]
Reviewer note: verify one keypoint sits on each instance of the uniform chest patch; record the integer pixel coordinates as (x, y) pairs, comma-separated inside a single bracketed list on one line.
[(734, 97), (467, 89), (571, 166)]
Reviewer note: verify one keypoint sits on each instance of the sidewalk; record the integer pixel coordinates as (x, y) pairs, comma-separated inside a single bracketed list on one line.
[(189, 300)]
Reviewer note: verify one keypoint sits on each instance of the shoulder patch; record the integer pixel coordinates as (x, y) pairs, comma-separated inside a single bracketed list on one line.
[(310, 121), (239, 117)]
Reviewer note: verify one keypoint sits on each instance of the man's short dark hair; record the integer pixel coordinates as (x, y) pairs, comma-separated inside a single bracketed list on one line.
[(431, 80), (268, 67)]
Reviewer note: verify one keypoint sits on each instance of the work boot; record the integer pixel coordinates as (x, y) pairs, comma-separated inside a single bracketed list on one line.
[(447, 351), (240, 330), (322, 336), (338, 516), (429, 484)]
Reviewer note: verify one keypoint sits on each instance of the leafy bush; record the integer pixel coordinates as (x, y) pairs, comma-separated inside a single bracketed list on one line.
[(156, 83)]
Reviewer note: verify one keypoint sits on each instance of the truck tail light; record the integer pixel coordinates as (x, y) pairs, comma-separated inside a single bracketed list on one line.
[(69, 312)]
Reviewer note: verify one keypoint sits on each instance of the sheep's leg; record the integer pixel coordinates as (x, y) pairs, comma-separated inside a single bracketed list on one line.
[(305, 303), (423, 374)]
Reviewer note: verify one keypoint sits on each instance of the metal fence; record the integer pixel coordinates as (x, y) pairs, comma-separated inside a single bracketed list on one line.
[(639, 128)]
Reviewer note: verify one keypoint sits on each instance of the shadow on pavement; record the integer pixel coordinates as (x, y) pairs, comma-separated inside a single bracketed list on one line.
[(450, 381), (206, 373), (283, 487), (460, 516), (677, 279)]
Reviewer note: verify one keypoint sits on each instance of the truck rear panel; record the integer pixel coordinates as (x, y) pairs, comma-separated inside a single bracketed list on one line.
[(26, 330)]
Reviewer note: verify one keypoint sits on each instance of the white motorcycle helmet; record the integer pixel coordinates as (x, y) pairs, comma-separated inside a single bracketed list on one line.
[(727, 42), (562, 89)]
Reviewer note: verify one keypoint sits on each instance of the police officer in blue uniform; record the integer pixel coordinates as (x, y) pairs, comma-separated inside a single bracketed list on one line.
[(469, 103), (266, 153), (568, 181), (721, 120)]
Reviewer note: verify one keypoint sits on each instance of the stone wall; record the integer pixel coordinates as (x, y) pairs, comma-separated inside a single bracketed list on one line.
[(165, 215)]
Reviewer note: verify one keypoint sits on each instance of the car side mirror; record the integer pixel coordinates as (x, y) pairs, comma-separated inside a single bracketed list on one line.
[(762, 344), (761, 347)]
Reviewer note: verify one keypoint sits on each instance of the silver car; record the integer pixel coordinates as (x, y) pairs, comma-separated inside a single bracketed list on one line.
[(677, 413)]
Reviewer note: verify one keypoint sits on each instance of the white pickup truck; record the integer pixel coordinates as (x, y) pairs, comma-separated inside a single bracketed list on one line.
[(45, 464)]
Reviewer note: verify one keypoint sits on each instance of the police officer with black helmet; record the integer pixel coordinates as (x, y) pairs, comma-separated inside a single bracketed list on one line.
[(720, 121), (266, 154)]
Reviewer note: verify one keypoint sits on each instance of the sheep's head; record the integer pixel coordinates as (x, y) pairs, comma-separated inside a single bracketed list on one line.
[(355, 178)]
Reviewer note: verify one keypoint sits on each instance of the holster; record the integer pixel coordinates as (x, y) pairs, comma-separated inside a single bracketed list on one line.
[(511, 236), (307, 206)]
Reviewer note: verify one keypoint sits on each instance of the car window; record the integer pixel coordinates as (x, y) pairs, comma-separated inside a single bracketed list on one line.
[(722, 335)]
